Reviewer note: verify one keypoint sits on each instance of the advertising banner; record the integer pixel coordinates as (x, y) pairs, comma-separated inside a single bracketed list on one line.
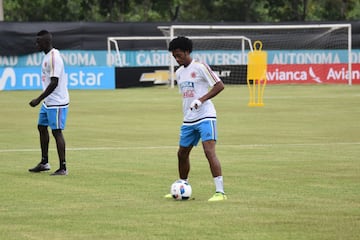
[(312, 73), (101, 70), (29, 78), (161, 58), (141, 76)]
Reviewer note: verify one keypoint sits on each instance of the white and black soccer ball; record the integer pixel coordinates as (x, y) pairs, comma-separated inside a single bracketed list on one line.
[(181, 190)]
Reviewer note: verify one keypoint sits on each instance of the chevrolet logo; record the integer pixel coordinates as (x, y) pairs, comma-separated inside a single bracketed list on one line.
[(158, 77)]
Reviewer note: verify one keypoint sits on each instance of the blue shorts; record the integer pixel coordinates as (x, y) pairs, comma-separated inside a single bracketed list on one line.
[(55, 117), (191, 134)]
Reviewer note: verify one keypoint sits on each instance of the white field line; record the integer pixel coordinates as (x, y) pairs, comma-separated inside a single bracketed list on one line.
[(267, 96), (244, 146)]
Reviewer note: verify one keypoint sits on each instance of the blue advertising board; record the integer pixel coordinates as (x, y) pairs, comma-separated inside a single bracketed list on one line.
[(158, 58), (29, 78), (96, 69)]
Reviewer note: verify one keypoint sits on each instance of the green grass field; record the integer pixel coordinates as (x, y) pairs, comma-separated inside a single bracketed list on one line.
[(291, 168)]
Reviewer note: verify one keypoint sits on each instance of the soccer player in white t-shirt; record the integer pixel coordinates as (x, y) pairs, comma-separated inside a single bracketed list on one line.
[(54, 109), (194, 80)]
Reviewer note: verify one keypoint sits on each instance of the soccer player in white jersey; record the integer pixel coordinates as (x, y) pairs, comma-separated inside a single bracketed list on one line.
[(194, 80), (54, 109)]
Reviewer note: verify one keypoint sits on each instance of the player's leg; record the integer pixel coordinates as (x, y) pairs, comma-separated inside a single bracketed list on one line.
[(183, 165), (60, 146), (57, 121), (43, 124), (209, 150), (44, 142), (184, 162), (208, 132), (189, 137)]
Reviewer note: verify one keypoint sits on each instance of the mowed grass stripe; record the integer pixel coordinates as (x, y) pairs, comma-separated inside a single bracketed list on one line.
[(172, 147)]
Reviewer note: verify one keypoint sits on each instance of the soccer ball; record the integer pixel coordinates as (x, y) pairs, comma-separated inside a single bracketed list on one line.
[(181, 190)]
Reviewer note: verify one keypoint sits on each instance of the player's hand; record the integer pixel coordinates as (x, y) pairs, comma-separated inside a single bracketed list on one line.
[(195, 104), (34, 102)]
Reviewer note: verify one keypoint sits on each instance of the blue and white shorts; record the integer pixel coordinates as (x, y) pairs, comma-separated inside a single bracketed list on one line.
[(54, 116), (205, 129)]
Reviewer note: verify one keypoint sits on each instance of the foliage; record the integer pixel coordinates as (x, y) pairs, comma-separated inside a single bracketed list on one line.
[(181, 10)]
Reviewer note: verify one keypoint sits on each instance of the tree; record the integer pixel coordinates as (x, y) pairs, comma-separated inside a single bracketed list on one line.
[(336, 9), (180, 10)]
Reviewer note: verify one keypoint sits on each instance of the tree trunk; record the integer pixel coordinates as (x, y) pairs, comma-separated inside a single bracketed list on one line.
[(1, 11)]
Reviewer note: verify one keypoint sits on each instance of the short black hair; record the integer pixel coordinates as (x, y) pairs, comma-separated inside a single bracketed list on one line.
[(45, 33), (182, 43)]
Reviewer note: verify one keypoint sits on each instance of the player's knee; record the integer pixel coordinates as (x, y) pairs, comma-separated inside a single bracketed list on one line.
[(56, 132), (42, 128), (180, 155), (210, 153)]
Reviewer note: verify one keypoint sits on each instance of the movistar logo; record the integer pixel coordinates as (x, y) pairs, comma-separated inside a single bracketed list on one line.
[(7, 74)]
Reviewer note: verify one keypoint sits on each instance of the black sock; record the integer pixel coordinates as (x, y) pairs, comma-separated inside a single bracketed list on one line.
[(44, 160), (63, 165)]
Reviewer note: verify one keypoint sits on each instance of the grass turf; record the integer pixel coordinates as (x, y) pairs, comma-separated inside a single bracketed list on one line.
[(291, 168)]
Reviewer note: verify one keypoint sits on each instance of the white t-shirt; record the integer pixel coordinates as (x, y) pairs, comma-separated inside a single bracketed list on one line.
[(53, 66), (194, 82)]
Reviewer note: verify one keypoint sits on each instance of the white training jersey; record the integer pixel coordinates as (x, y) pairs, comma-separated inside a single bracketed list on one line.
[(194, 82), (53, 66)]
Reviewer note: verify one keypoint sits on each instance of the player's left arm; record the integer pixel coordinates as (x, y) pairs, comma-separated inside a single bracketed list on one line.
[(215, 90), (213, 80), (50, 88)]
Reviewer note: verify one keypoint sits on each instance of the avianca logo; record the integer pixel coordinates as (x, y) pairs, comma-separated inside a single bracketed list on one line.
[(8, 73), (297, 74), (314, 76)]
